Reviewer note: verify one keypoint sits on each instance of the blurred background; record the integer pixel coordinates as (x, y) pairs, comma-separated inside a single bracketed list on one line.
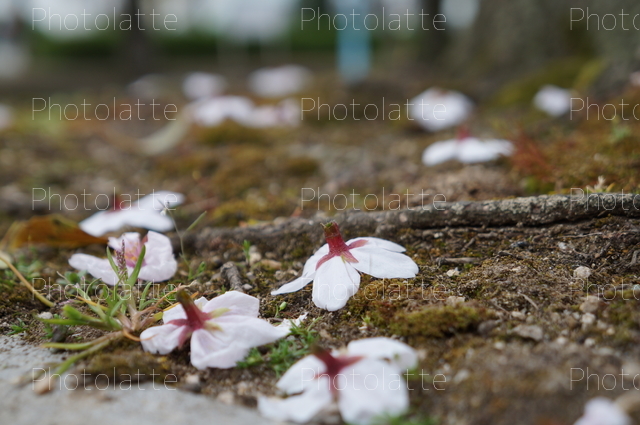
[(218, 99)]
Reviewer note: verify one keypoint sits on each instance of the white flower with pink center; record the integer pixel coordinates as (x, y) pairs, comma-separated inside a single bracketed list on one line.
[(334, 267), (158, 264), (365, 382), (222, 330)]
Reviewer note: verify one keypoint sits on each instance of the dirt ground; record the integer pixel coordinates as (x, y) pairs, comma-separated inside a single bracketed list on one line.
[(499, 313)]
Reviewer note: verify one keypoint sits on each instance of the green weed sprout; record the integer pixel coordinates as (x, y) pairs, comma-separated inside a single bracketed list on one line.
[(120, 314)]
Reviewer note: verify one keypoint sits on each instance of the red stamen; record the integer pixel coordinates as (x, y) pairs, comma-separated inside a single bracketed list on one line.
[(334, 365), (196, 318), (337, 246)]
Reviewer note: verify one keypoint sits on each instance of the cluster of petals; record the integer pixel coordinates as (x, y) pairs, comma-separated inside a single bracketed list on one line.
[(241, 110), (158, 264), (468, 150), (222, 330), (335, 268), (365, 382)]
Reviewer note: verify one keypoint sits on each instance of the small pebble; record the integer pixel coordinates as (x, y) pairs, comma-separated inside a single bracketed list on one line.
[(529, 332), (587, 321), (561, 340), (453, 272), (462, 375), (271, 264), (518, 315), (487, 326), (519, 244), (582, 272), (590, 305), (192, 379), (247, 287), (254, 255), (45, 315), (453, 300), (226, 397)]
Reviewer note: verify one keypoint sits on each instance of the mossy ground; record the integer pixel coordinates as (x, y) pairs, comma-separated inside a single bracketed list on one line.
[(523, 276)]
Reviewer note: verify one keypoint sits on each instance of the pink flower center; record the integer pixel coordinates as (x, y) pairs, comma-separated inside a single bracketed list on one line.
[(196, 318), (337, 246), (132, 250), (334, 365)]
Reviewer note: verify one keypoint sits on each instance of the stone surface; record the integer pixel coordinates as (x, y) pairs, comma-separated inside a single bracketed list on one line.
[(143, 404), (529, 332)]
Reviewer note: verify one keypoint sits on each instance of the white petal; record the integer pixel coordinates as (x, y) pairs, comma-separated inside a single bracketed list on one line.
[(602, 411), (144, 213), (436, 109), (381, 243), (335, 282), (248, 331), (400, 354), (161, 339), (157, 201), (279, 82), (147, 219), (301, 375), (473, 150), (371, 388), (289, 323), (174, 313), (129, 238), (553, 100), (159, 262), (383, 264), (207, 350), (237, 302), (199, 85), (293, 286), (103, 222), (308, 273), (224, 348), (440, 152), (97, 267), (300, 408)]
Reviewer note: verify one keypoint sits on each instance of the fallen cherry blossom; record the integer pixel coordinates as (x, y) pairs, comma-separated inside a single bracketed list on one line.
[(436, 109), (201, 85), (553, 100), (158, 264), (279, 82), (602, 411), (334, 267), (365, 381), (222, 330), (145, 213), (466, 149), (215, 111)]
